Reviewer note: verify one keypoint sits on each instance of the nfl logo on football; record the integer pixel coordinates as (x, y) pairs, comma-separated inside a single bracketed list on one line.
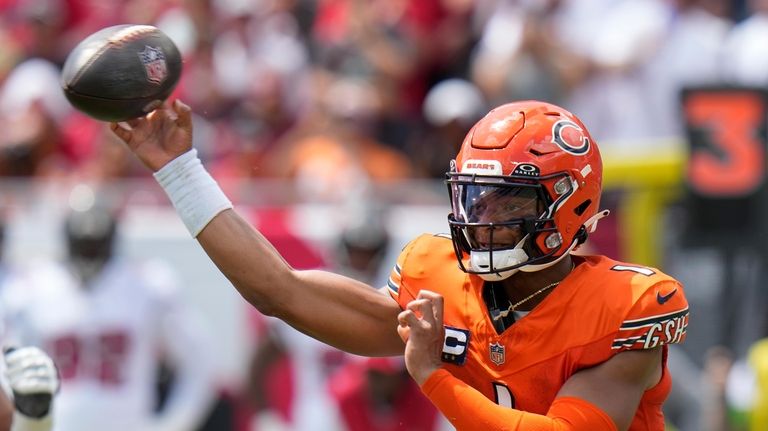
[(153, 60), (497, 353)]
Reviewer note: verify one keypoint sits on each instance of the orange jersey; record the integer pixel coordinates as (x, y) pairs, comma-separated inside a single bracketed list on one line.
[(602, 308)]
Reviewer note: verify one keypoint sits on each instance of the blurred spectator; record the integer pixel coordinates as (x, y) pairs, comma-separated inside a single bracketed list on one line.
[(745, 390), (737, 391), (259, 47), (40, 27), (377, 41), (615, 42), (509, 62), (400, 47), (691, 55), (251, 81), (376, 394), (334, 156), (717, 415), (298, 367), (249, 64), (620, 65), (32, 112), (108, 323), (450, 109), (745, 62), (286, 385), (289, 371)]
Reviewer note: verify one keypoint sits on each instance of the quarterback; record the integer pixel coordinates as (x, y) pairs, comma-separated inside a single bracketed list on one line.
[(504, 328)]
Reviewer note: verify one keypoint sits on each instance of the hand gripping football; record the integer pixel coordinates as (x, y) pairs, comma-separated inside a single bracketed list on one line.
[(121, 72)]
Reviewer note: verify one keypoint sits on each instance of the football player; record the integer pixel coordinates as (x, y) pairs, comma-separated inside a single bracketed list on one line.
[(106, 321), (504, 327)]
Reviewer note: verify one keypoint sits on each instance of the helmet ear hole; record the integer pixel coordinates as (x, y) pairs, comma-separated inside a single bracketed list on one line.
[(579, 210)]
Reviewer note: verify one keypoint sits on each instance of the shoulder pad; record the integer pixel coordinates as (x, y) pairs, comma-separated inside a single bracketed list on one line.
[(415, 261), (658, 316)]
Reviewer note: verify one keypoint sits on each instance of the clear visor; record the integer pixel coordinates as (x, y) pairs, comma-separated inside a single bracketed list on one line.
[(494, 216)]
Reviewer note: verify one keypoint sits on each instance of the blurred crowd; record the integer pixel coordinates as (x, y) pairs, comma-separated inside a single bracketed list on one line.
[(336, 95), (343, 90)]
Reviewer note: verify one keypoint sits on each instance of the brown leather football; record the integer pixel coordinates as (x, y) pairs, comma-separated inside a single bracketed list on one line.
[(121, 72)]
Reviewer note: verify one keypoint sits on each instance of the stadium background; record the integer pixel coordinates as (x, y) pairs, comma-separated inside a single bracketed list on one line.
[(315, 114)]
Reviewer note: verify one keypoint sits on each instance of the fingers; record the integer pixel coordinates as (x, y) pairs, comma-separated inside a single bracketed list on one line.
[(438, 308), (429, 306), (122, 130), (30, 370), (124, 126), (407, 318), (428, 294), (133, 123), (184, 114), (436, 302), (424, 309), (160, 115), (404, 332), (177, 111)]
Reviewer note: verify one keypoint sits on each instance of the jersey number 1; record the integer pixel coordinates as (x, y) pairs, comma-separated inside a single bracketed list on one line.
[(503, 395)]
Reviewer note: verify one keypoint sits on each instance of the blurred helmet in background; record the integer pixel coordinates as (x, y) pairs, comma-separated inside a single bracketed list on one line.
[(363, 242), (90, 236), (453, 100)]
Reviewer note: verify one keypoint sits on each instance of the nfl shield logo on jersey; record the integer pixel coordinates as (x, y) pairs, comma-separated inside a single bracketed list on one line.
[(497, 353), (153, 60)]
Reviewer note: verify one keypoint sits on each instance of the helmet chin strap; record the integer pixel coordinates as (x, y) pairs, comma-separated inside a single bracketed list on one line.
[(480, 260)]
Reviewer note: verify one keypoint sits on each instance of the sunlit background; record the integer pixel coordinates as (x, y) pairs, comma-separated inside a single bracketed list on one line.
[(331, 123)]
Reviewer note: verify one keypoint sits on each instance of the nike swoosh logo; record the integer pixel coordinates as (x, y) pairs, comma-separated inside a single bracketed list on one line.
[(664, 298)]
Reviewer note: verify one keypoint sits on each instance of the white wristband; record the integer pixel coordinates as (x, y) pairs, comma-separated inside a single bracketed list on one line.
[(24, 423), (194, 193)]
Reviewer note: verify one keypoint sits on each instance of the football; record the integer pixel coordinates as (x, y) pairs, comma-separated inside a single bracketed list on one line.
[(121, 72)]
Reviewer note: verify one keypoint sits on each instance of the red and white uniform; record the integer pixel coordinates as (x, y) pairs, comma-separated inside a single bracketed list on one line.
[(409, 410), (106, 340)]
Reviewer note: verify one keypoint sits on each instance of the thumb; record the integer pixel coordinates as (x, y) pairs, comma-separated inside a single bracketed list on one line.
[(404, 332)]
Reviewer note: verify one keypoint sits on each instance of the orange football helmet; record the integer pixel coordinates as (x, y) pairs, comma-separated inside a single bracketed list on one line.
[(525, 190)]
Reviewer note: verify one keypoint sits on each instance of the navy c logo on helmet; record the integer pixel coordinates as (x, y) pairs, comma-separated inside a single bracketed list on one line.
[(570, 137)]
